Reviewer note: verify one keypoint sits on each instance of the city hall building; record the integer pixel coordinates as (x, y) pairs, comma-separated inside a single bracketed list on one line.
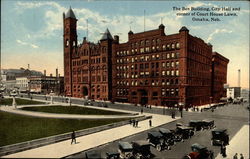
[(150, 68)]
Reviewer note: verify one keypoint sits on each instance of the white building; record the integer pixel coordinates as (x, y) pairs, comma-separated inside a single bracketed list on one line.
[(22, 84)]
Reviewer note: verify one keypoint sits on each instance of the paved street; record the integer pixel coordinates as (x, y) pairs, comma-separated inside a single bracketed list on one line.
[(231, 117)]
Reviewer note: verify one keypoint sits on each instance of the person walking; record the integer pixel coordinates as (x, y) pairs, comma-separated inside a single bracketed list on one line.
[(133, 121), (241, 156), (235, 156), (224, 154), (73, 137), (136, 125), (141, 110), (150, 123)]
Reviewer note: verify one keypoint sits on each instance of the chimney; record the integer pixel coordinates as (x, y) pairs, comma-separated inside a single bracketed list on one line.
[(238, 77), (116, 38), (56, 72), (44, 72), (28, 66), (59, 75)]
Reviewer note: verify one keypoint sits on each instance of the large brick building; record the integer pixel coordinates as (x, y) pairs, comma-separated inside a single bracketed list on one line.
[(150, 68)]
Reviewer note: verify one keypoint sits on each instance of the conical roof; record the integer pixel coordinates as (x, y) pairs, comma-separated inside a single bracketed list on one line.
[(70, 14), (183, 29), (107, 35)]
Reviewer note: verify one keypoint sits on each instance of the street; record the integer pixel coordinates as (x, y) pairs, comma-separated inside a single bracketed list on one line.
[(231, 117)]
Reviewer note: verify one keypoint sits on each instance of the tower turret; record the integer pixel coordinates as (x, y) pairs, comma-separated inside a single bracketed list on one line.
[(70, 43)]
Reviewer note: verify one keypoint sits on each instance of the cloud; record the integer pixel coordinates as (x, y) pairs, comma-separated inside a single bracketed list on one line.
[(25, 43), (217, 31), (117, 24)]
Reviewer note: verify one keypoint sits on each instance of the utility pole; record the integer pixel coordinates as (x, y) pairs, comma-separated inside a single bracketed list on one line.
[(144, 20)]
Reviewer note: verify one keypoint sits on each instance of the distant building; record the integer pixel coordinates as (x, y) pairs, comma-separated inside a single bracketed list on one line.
[(8, 76), (150, 68), (233, 92), (22, 84), (46, 85)]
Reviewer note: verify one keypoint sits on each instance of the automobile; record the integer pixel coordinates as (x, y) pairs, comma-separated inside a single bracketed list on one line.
[(196, 124), (141, 149), (88, 102), (185, 131), (236, 101), (219, 137), (125, 150), (208, 124), (168, 136), (112, 155), (200, 152), (13, 93), (93, 155), (102, 104), (156, 139)]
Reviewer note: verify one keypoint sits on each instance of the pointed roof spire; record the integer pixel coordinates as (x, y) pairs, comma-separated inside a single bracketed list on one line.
[(107, 35), (70, 14)]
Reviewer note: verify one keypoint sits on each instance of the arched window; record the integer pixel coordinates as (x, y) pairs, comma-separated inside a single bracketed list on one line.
[(177, 45), (67, 42)]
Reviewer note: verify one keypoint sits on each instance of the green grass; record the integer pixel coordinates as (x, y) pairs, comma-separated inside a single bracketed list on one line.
[(18, 128), (8, 101), (72, 110)]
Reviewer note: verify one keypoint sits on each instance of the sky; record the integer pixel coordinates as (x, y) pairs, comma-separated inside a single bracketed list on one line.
[(32, 31)]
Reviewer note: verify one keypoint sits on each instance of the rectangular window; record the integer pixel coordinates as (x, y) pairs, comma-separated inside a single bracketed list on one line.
[(163, 73), (163, 64), (177, 72)]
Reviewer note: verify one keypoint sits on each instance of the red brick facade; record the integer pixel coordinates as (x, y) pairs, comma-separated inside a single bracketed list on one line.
[(150, 68), (219, 76)]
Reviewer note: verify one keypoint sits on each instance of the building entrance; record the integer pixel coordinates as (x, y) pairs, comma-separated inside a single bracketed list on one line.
[(143, 96), (84, 91)]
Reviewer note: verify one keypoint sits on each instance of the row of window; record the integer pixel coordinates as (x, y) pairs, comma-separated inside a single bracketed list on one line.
[(163, 82), (168, 64), (149, 57), (169, 92), (93, 61), (148, 74), (164, 92), (147, 48)]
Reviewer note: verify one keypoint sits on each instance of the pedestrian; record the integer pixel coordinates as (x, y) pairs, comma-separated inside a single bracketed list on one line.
[(133, 121), (223, 150), (173, 114), (235, 156), (73, 137), (136, 125), (150, 123), (241, 156), (130, 122), (141, 110)]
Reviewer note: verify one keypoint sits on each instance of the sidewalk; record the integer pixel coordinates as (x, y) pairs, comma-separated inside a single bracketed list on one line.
[(64, 148), (238, 144), (11, 109)]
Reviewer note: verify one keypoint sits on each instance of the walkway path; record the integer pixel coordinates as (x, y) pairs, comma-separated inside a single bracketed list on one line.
[(238, 144), (64, 148), (11, 109)]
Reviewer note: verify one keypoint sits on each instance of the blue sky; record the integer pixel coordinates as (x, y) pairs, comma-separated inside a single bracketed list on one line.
[(32, 30)]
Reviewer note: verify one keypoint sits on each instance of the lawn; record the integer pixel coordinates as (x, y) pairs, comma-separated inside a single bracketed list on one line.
[(72, 110), (8, 101), (18, 128)]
